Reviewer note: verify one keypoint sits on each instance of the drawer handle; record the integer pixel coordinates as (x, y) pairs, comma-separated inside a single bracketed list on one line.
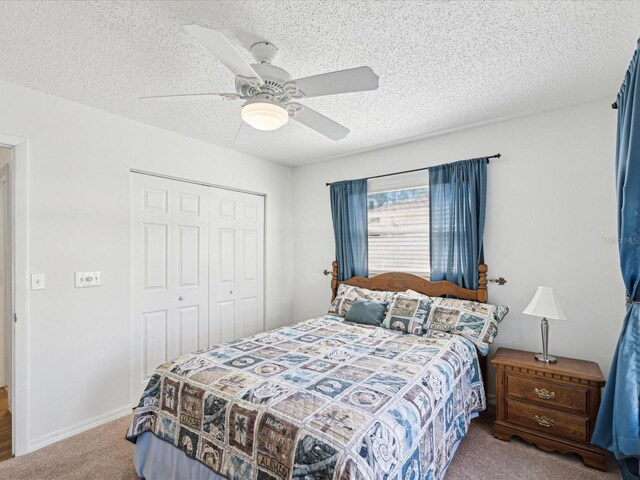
[(544, 421), (544, 393)]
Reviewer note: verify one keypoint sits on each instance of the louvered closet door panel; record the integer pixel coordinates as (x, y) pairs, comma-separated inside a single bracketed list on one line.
[(170, 228), (237, 257)]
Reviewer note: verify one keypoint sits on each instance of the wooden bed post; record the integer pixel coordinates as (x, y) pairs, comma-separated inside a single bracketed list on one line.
[(482, 283), (334, 280), (482, 297)]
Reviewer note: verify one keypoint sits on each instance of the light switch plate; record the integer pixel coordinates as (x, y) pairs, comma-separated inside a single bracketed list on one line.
[(37, 281), (88, 279)]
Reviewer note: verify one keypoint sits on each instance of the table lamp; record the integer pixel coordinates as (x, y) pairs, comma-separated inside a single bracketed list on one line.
[(545, 304)]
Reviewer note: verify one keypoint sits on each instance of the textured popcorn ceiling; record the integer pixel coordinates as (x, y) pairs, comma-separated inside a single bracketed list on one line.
[(442, 65)]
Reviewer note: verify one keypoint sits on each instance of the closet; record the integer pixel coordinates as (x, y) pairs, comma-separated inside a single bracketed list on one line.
[(197, 260)]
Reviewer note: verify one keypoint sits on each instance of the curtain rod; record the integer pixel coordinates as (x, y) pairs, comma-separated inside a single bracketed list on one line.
[(497, 155), (614, 105)]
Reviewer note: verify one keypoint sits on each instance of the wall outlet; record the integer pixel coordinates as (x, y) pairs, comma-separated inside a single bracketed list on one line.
[(88, 279), (37, 281)]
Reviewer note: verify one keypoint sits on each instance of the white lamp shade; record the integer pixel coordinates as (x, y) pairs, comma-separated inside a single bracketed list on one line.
[(545, 304), (264, 115)]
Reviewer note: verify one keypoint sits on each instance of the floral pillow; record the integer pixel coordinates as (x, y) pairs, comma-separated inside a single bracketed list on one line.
[(347, 294), (408, 314), (475, 321)]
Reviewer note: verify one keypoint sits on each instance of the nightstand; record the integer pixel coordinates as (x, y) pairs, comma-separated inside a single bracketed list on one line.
[(553, 406)]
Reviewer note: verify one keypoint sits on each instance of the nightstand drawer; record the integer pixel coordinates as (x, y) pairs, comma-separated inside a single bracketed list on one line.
[(549, 421), (552, 395)]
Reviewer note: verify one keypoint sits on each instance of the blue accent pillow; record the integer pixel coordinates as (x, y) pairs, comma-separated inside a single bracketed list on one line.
[(368, 312)]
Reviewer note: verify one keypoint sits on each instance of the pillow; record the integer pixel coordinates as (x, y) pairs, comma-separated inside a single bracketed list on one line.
[(347, 294), (368, 312), (408, 314), (334, 309), (475, 321)]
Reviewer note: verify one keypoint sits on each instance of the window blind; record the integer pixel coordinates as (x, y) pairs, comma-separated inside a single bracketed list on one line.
[(398, 221)]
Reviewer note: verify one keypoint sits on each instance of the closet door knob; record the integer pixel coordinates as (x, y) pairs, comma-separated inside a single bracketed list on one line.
[(230, 292), (181, 298)]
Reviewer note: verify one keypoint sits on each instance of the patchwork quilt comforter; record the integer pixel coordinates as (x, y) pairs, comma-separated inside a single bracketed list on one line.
[(322, 399)]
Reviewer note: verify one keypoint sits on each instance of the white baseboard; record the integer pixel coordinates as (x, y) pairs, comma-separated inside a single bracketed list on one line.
[(64, 433)]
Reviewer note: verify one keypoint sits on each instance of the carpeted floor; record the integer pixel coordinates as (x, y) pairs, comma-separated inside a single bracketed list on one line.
[(103, 454)]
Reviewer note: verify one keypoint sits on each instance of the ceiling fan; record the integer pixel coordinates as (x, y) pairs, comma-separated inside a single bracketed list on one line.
[(269, 91)]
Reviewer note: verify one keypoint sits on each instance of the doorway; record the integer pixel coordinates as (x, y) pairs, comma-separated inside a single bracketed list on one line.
[(6, 304)]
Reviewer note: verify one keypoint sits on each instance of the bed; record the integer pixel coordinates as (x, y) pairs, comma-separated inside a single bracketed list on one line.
[(320, 399)]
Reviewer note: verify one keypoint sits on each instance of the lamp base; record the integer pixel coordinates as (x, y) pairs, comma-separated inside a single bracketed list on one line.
[(546, 359)]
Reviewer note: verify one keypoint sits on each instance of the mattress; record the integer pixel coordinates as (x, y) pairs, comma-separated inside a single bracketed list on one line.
[(322, 399)]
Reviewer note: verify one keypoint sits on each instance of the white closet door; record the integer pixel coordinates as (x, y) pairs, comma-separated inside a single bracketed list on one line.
[(191, 266), (250, 285), (169, 272), (236, 279)]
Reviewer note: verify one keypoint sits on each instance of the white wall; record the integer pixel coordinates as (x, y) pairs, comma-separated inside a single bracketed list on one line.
[(5, 156), (79, 220), (551, 215)]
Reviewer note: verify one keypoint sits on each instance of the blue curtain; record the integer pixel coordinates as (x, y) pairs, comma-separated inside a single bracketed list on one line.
[(349, 212), (618, 424), (458, 194)]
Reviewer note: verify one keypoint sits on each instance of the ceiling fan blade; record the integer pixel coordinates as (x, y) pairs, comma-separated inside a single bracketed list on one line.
[(343, 81), (192, 97), (223, 50), (316, 121)]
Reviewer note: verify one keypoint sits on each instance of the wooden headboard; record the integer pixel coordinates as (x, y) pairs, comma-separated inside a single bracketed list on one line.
[(400, 281)]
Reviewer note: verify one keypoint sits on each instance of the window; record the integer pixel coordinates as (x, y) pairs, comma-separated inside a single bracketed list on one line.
[(398, 222)]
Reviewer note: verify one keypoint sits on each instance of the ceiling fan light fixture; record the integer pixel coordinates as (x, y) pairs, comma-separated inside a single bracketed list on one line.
[(264, 115)]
